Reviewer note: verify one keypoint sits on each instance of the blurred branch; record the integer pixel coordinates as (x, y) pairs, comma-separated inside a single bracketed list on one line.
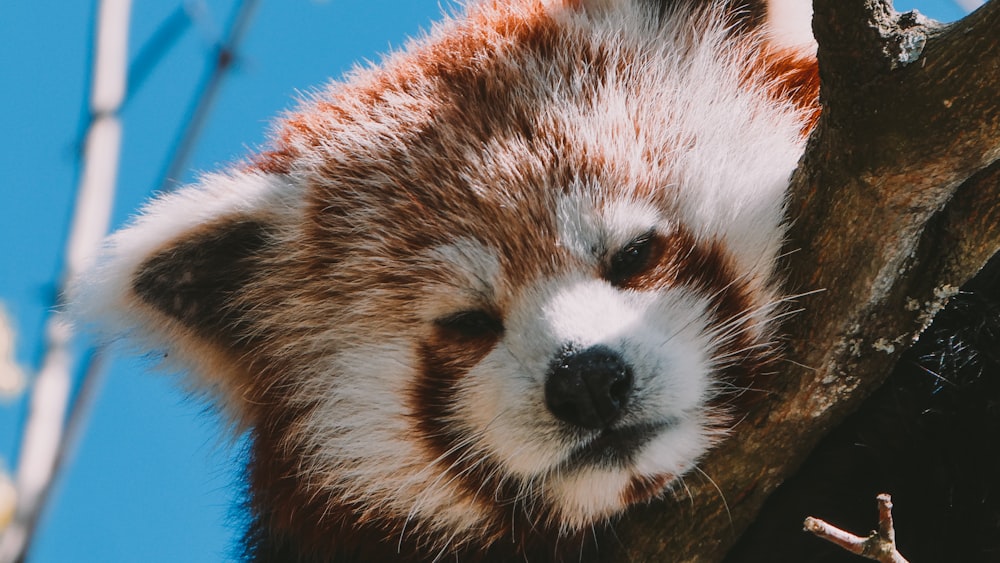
[(11, 385), (156, 48), (8, 498), (11, 375), (43, 433), (223, 57)]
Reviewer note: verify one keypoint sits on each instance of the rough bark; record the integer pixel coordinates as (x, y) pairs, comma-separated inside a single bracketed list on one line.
[(895, 204)]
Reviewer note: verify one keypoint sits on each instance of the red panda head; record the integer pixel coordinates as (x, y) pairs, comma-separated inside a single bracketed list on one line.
[(508, 282)]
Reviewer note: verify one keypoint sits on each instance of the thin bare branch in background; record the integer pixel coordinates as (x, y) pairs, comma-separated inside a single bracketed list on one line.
[(223, 58), (157, 47), (43, 433), (12, 382), (12, 379), (8, 499)]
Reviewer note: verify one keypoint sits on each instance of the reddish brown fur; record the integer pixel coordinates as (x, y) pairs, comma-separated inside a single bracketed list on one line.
[(290, 516), (793, 77), (425, 198)]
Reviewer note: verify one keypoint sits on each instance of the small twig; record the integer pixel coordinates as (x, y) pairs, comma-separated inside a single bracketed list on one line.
[(879, 545), (223, 57)]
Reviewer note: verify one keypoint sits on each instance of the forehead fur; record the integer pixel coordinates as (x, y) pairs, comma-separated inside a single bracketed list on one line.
[(483, 127)]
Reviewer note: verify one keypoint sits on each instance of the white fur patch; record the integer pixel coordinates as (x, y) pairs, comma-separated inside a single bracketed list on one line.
[(661, 335), (473, 277), (104, 293), (592, 233), (789, 23), (588, 495)]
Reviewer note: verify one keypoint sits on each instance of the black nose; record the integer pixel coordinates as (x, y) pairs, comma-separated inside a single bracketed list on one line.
[(588, 388)]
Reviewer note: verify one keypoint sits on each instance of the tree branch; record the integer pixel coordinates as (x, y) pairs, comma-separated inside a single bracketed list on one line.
[(895, 204), (880, 545)]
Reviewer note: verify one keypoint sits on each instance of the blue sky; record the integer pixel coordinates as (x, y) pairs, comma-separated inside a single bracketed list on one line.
[(154, 477)]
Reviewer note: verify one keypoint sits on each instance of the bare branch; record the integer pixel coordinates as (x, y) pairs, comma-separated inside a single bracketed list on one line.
[(8, 499), (223, 57), (879, 546)]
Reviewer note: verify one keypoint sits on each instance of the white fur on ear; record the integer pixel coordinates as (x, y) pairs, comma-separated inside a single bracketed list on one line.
[(104, 293), (592, 7), (598, 6), (789, 23)]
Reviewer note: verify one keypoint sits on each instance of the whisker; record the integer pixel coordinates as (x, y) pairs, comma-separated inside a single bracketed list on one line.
[(718, 489)]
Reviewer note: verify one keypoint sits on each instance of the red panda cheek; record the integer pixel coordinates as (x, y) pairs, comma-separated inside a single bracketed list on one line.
[(434, 399), (447, 357), (444, 359)]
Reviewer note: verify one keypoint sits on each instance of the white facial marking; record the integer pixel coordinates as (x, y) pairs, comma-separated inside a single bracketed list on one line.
[(589, 312), (476, 266), (473, 277), (590, 494), (591, 233)]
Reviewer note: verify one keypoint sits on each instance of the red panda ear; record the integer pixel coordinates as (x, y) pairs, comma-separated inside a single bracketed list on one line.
[(789, 57), (179, 277), (199, 280), (744, 11), (789, 24)]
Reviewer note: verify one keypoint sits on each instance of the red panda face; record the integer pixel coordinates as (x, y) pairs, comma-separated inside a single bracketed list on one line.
[(574, 358), (509, 282), (538, 331)]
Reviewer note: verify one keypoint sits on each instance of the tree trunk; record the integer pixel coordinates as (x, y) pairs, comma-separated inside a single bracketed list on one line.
[(895, 204)]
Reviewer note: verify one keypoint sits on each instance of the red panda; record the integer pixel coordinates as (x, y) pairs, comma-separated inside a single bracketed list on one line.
[(474, 302)]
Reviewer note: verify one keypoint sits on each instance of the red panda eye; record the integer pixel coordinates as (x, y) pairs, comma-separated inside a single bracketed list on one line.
[(633, 259), (471, 324)]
